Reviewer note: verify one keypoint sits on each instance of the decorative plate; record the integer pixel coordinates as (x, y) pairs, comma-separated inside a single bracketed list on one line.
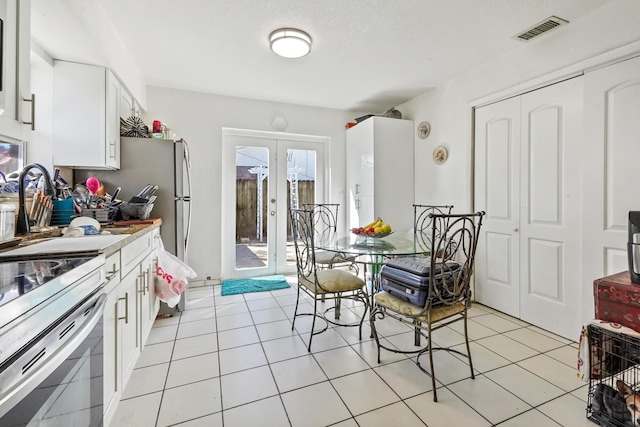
[(424, 129), (440, 155)]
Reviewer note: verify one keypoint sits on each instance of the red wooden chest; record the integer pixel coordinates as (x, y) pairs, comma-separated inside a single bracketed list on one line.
[(617, 299)]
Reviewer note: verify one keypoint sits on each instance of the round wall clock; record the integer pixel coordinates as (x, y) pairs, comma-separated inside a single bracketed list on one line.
[(440, 155), (424, 128)]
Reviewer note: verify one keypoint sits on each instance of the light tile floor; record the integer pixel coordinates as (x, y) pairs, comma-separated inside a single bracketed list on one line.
[(234, 361)]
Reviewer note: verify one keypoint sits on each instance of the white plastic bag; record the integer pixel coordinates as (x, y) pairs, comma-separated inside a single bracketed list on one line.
[(172, 277)]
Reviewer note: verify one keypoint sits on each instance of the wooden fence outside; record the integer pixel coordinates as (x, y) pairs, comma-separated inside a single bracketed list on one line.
[(247, 204)]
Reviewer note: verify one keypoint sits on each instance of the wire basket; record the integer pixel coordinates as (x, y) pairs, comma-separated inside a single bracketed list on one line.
[(100, 215), (136, 210)]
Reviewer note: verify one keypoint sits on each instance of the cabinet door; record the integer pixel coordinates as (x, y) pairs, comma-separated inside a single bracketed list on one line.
[(86, 116), (359, 164), (16, 79), (112, 147), (127, 108), (147, 296), (360, 143), (79, 112), (112, 360), (128, 302), (393, 175)]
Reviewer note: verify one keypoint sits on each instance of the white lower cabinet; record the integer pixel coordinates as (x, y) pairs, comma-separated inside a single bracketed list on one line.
[(112, 385), (128, 321), (131, 308)]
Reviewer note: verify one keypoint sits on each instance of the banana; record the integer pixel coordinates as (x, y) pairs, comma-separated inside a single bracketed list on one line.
[(372, 224)]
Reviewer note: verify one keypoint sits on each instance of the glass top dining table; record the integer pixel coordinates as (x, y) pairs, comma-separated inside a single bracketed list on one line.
[(371, 252), (397, 243)]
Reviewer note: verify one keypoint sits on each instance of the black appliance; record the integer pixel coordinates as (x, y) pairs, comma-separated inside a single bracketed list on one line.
[(633, 246), (51, 313)]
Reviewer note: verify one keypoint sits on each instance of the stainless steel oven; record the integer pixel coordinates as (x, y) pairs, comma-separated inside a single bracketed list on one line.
[(51, 333)]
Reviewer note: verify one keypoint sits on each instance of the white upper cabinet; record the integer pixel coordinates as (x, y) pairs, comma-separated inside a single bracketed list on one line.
[(16, 112), (86, 116), (128, 105)]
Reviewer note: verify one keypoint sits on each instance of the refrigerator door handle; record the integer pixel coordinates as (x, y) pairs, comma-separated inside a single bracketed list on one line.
[(187, 197)]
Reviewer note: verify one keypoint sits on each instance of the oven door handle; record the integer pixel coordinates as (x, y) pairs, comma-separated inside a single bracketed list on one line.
[(22, 389)]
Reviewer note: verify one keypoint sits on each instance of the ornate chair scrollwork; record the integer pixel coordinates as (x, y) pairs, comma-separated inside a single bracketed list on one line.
[(449, 289)]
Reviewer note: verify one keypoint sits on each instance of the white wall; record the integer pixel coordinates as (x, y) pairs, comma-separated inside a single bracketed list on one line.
[(595, 41), (448, 108), (199, 119)]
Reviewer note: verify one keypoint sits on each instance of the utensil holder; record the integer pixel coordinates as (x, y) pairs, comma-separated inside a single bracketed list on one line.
[(63, 212)]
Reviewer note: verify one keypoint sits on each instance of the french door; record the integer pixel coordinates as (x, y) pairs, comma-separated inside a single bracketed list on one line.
[(264, 174)]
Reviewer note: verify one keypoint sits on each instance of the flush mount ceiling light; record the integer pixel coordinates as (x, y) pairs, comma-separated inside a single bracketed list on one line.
[(290, 43)]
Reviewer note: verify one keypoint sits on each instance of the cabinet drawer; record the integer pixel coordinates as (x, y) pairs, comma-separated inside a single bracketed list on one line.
[(134, 252), (112, 271)]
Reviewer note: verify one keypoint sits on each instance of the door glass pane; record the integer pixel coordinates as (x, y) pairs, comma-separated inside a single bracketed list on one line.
[(301, 187), (252, 178)]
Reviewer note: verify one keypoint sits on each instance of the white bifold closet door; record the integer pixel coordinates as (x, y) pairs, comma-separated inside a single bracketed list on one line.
[(528, 180)]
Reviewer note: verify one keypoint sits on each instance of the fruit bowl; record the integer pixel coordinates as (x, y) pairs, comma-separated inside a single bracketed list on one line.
[(365, 234)]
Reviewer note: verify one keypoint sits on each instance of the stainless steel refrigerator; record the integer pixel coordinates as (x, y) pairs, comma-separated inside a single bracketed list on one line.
[(162, 162)]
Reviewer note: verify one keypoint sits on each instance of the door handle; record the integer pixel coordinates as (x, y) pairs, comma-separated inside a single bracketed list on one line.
[(32, 100), (126, 308), (515, 229), (111, 274), (357, 188), (142, 289)]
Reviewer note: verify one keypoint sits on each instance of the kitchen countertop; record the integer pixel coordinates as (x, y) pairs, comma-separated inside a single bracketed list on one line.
[(133, 231)]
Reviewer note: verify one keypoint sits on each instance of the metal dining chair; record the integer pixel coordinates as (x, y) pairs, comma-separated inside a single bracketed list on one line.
[(325, 219), (321, 284), (448, 295), (423, 222)]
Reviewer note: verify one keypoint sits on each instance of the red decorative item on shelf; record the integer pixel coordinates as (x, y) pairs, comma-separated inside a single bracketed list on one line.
[(617, 299), (157, 126)]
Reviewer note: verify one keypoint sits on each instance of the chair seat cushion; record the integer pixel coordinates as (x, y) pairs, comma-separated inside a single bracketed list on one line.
[(401, 306), (334, 281), (326, 257)]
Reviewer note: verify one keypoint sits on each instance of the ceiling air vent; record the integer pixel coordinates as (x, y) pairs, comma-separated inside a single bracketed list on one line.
[(541, 28)]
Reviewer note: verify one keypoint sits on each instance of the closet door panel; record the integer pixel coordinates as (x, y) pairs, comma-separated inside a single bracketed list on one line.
[(497, 178), (611, 163), (622, 144), (551, 209)]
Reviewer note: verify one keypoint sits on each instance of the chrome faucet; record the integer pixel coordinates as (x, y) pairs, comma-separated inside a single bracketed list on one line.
[(23, 227)]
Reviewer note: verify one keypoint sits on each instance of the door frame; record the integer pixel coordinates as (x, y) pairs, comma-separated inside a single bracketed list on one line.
[(295, 141)]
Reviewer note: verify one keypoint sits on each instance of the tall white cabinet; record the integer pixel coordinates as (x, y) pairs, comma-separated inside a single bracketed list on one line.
[(380, 172)]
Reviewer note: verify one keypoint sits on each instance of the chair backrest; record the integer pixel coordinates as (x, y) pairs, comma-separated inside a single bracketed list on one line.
[(423, 222), (451, 270), (325, 218), (303, 230)]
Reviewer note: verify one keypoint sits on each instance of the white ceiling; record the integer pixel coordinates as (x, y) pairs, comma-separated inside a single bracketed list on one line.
[(367, 55)]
